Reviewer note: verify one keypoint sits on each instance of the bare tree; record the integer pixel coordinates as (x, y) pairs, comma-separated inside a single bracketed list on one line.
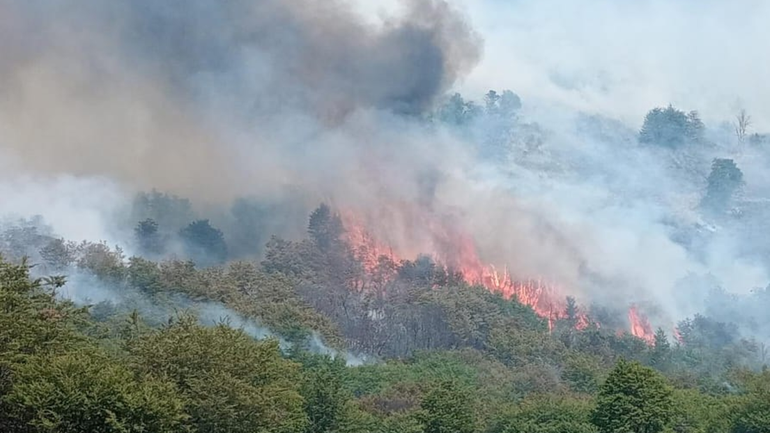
[(742, 123)]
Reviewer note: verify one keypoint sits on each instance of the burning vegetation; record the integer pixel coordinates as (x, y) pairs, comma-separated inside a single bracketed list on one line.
[(456, 252)]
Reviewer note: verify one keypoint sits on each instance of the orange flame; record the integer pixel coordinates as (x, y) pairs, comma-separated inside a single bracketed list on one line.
[(640, 326), (457, 251), (366, 248), (678, 335)]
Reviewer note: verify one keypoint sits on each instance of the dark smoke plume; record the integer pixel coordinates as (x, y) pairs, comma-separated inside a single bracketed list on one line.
[(164, 94)]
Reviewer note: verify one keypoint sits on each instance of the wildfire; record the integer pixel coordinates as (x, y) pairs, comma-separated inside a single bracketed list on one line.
[(678, 335), (367, 249), (456, 250), (640, 326)]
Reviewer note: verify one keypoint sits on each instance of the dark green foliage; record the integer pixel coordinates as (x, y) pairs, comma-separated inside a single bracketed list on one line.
[(571, 312), (458, 112), (447, 408), (229, 381), (100, 260), (547, 414), (31, 321), (250, 228), (57, 255), (423, 271), (325, 394), (451, 357), (670, 127), (752, 413), (724, 181), (205, 244), (148, 238), (144, 275), (694, 412), (660, 355), (325, 228), (583, 373), (86, 391), (633, 399)]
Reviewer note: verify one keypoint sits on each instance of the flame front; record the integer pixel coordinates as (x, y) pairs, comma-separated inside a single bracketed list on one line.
[(640, 326), (457, 251)]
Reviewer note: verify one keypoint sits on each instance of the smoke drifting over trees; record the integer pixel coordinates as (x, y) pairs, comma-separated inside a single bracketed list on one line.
[(352, 179), (157, 94), (257, 112)]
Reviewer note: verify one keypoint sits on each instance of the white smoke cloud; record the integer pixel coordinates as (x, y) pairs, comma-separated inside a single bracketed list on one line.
[(95, 115), (75, 207), (620, 58)]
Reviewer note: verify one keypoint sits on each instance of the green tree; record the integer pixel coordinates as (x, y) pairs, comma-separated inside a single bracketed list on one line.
[(571, 311), (87, 392), (546, 414), (247, 234), (633, 399), (204, 243), (660, 355), (448, 408), (325, 228), (724, 181), (230, 382), (670, 127), (324, 391), (148, 237), (31, 320), (583, 373), (753, 413), (144, 275), (100, 260), (57, 254)]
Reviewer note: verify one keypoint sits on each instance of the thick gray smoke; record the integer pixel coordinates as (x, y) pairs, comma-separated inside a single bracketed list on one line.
[(216, 100), (175, 94)]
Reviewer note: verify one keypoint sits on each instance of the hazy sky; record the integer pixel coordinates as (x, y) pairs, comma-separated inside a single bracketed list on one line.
[(623, 57)]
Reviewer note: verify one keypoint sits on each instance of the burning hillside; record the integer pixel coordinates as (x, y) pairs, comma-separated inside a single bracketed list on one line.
[(449, 246), (456, 250)]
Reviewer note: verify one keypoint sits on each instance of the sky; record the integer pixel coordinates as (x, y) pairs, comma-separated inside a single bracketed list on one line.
[(623, 57)]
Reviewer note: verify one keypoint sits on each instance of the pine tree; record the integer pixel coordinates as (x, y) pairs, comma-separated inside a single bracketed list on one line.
[(660, 355), (633, 399)]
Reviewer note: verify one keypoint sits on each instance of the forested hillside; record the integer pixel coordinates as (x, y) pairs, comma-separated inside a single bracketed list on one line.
[(384, 216), (328, 346)]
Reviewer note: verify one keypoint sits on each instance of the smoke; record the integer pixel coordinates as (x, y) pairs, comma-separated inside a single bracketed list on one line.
[(172, 95), (75, 207), (619, 59), (83, 288), (218, 100)]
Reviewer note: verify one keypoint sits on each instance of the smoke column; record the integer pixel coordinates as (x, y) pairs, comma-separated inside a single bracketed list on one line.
[(216, 100)]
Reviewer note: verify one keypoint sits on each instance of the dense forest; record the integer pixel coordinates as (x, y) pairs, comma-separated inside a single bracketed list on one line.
[(301, 216), (325, 345)]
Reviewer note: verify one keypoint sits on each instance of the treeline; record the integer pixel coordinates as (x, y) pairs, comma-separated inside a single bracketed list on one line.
[(62, 371), (451, 357)]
